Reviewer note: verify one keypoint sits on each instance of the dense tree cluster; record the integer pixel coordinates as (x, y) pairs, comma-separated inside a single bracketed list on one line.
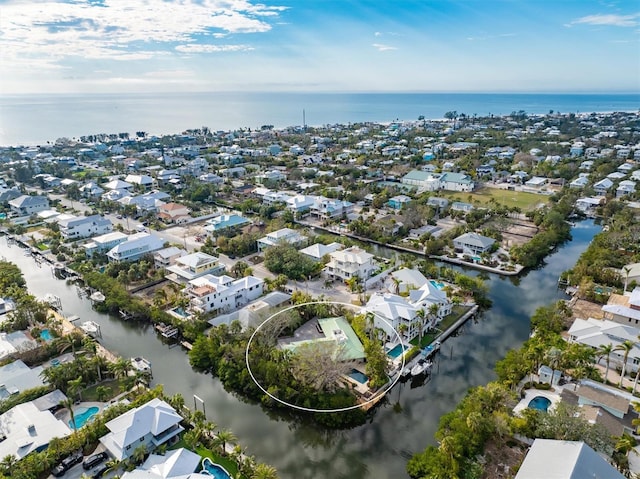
[(286, 259)]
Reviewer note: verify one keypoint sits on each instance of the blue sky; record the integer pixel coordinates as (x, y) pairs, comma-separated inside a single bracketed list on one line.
[(319, 45)]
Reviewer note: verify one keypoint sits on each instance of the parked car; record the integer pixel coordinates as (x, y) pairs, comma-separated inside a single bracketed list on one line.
[(94, 460), (67, 463), (98, 473)]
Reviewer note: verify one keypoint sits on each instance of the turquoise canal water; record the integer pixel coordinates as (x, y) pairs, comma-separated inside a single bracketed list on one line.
[(403, 425)]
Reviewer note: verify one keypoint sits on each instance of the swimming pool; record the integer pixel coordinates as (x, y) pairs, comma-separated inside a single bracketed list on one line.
[(437, 284), (45, 335), (358, 376), (180, 312), (395, 352), (540, 403), (214, 470), (82, 416)]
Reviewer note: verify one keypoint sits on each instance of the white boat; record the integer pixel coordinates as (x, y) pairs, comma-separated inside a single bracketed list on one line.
[(141, 364), (91, 328), (97, 297), (420, 367)]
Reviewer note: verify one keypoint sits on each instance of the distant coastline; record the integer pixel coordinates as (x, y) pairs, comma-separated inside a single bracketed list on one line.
[(36, 119)]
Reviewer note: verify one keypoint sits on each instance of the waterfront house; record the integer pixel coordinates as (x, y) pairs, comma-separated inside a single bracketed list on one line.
[(135, 247), (318, 251), (473, 243), (222, 222), (177, 464), (300, 204), (336, 332), (428, 294), (404, 279), (84, 227), (167, 256), (16, 377), (173, 213), (27, 428), (395, 314), (11, 343), (602, 187), (567, 460), (600, 332), (150, 425), (588, 206), (26, 205), (103, 243), (284, 235), (327, 209), (350, 263), (194, 265), (222, 294), (623, 308)]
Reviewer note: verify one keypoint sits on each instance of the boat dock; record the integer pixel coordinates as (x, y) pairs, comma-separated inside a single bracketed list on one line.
[(186, 345), (167, 331), (430, 350)]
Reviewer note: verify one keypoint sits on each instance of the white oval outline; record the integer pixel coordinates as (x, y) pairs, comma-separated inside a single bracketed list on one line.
[(308, 409)]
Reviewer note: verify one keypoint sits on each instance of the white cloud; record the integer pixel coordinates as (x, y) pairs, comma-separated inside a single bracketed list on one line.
[(51, 31), (383, 48), (197, 48), (608, 19)]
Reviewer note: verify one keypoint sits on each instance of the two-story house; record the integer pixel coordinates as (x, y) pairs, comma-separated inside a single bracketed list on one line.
[(84, 227), (26, 205), (350, 263), (135, 247), (192, 266), (222, 294)]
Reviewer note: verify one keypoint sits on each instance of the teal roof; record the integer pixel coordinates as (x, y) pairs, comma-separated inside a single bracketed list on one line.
[(417, 175), (338, 330), (456, 178)]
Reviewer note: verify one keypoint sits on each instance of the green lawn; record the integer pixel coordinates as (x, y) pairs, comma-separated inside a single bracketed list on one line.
[(116, 387), (456, 313), (523, 200)]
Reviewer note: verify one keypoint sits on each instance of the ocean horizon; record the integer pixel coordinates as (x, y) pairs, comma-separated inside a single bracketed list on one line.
[(40, 118)]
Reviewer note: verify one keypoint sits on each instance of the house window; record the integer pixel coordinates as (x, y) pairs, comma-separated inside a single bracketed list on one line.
[(128, 447), (141, 439)]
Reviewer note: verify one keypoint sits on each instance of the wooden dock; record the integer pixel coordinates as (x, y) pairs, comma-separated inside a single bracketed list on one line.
[(187, 345)]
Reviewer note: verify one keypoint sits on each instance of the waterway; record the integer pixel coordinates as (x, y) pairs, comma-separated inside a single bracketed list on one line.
[(406, 424)]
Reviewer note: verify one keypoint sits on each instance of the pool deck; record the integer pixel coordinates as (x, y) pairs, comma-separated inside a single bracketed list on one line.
[(63, 414), (551, 395)]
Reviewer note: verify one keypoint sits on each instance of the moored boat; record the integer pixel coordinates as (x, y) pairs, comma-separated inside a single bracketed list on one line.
[(420, 367), (141, 364)]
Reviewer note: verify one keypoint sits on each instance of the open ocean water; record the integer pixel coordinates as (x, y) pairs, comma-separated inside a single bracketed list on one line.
[(36, 119)]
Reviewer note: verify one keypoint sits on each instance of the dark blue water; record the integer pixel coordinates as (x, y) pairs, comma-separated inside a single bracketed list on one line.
[(36, 119)]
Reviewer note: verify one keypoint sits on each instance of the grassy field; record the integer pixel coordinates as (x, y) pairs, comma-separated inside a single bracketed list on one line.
[(456, 313), (524, 201)]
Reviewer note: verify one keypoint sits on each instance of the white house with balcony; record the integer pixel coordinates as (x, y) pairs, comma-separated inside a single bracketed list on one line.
[(284, 235), (192, 266), (349, 263), (390, 311), (135, 247), (327, 208), (103, 243), (423, 180), (473, 243), (150, 425), (222, 294), (84, 227), (456, 182), (300, 203)]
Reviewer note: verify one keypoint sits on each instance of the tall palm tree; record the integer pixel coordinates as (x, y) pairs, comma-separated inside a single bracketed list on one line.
[(264, 471), (626, 347), (422, 317), (75, 387), (604, 351), (223, 438), (68, 404)]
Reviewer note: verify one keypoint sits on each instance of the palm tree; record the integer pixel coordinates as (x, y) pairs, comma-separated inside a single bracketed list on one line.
[(626, 270), (139, 454), (7, 463), (448, 448), (75, 387), (120, 369), (605, 351), (434, 309), (223, 438), (626, 347), (422, 316), (68, 403), (264, 471)]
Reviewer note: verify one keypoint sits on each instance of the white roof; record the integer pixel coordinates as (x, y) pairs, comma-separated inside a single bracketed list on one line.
[(318, 250), (117, 185), (409, 277), (352, 255), (16, 377), (390, 306), (154, 417), (427, 293), (174, 464), (551, 459), (196, 259), (21, 439)]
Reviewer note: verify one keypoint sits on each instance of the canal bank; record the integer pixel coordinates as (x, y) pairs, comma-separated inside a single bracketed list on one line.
[(405, 423)]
